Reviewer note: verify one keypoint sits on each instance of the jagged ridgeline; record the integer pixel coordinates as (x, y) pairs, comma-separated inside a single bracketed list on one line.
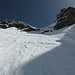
[(66, 17), (18, 24)]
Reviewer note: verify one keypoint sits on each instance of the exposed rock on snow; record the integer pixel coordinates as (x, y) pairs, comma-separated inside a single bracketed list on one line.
[(66, 17), (18, 24)]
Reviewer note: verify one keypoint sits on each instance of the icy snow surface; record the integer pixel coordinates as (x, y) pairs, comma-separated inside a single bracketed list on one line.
[(23, 53)]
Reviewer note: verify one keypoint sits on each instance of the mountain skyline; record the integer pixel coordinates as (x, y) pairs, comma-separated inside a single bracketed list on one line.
[(39, 13)]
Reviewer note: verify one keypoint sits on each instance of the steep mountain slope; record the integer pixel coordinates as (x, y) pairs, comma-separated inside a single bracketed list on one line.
[(23, 53), (18, 24), (66, 17)]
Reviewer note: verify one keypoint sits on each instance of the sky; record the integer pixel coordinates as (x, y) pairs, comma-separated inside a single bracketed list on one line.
[(38, 13)]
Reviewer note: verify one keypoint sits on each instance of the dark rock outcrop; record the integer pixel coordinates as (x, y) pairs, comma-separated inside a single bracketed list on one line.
[(66, 17), (18, 24)]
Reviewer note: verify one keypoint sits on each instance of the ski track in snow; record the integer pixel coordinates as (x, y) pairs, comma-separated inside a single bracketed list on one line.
[(18, 48)]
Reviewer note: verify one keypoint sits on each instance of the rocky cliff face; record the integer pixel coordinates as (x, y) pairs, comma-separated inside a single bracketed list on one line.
[(66, 17), (20, 25)]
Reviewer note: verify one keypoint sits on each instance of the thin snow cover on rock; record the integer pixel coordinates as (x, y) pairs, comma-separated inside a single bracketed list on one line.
[(66, 17), (23, 53), (18, 24)]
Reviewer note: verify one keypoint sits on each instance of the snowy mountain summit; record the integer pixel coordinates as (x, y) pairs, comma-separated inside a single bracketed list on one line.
[(27, 50)]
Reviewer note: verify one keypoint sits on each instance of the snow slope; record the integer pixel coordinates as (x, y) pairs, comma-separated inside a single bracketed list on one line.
[(23, 53)]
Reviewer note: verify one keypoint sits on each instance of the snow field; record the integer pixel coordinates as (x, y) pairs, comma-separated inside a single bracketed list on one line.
[(23, 53)]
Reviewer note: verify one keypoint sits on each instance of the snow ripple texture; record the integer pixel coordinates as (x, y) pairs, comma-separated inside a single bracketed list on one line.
[(23, 53)]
